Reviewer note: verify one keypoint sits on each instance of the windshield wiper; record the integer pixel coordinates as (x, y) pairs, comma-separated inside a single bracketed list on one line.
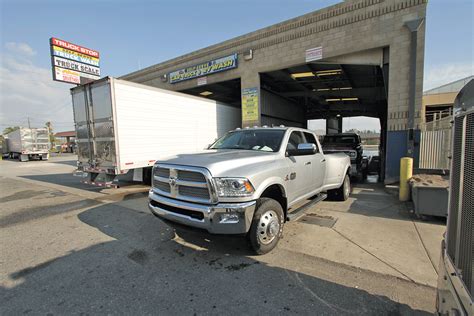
[(239, 148)]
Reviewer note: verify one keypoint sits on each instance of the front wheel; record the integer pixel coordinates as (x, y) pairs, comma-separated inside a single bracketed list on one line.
[(267, 226)]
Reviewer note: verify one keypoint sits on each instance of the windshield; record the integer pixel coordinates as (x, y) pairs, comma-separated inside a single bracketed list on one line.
[(263, 140), (340, 139)]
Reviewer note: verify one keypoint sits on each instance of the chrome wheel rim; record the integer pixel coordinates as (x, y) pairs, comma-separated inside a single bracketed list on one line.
[(347, 187), (268, 227)]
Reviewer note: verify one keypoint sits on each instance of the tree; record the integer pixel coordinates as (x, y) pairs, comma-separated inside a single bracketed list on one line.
[(10, 129)]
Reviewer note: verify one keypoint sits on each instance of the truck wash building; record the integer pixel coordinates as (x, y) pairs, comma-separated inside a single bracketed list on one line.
[(356, 58)]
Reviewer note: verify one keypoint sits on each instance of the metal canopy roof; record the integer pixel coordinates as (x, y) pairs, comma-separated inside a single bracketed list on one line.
[(330, 89), (225, 91)]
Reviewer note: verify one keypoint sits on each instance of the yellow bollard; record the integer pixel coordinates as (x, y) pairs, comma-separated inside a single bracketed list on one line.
[(406, 172)]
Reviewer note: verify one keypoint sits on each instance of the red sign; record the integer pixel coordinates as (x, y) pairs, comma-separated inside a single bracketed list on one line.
[(74, 47)]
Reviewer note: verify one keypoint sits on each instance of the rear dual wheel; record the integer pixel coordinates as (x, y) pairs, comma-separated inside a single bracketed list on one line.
[(342, 193), (267, 226)]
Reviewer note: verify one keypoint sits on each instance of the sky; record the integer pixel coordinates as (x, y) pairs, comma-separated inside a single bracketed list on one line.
[(131, 35)]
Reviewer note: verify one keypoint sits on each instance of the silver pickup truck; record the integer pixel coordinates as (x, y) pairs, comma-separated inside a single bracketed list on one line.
[(248, 182)]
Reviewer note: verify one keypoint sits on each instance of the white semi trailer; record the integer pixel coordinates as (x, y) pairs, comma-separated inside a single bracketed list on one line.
[(123, 128), (28, 143)]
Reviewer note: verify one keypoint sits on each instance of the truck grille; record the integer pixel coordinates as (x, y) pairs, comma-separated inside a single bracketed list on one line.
[(455, 183), (184, 183), (202, 193), (351, 153), (460, 241), (162, 172)]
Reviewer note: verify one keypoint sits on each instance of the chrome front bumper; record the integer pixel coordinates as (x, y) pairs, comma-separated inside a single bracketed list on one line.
[(225, 218)]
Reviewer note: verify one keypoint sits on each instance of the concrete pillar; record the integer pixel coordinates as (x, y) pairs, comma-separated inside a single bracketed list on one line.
[(251, 99), (334, 125)]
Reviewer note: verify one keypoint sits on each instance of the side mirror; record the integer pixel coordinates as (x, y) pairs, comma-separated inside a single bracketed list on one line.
[(303, 150)]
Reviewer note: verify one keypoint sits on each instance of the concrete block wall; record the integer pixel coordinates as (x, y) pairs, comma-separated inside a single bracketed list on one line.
[(345, 28)]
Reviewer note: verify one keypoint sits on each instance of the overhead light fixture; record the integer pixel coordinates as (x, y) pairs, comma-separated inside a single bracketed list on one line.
[(332, 89), (205, 93), (302, 75), (335, 73), (341, 99), (338, 115), (329, 72)]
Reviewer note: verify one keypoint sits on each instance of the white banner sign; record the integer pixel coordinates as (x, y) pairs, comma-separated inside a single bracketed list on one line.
[(313, 54), (74, 65), (71, 76), (202, 81)]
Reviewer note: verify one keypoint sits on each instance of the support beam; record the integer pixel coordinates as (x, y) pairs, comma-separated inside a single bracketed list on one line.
[(334, 125), (413, 26)]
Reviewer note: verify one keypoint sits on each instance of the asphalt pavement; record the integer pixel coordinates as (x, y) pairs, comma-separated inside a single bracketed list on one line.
[(67, 248)]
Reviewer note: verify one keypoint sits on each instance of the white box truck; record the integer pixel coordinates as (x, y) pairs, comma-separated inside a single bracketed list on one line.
[(123, 126), (28, 143)]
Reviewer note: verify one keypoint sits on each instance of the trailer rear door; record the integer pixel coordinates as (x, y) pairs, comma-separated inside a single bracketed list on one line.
[(93, 115)]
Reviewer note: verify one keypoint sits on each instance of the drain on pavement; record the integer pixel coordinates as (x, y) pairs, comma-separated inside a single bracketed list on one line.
[(320, 220)]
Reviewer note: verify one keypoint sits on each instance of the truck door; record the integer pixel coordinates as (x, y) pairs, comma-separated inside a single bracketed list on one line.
[(85, 151), (299, 169), (318, 163), (93, 116)]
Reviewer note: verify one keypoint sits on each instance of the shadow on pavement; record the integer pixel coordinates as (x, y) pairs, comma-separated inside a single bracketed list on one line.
[(68, 180), (65, 179), (151, 269)]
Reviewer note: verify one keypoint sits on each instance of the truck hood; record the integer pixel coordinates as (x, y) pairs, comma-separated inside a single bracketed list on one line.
[(340, 146), (222, 162)]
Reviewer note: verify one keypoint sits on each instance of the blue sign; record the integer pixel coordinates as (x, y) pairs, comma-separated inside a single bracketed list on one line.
[(204, 69)]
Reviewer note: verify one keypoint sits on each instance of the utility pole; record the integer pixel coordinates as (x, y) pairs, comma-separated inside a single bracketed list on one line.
[(29, 125)]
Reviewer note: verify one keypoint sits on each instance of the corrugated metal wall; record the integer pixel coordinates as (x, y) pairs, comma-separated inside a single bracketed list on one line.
[(435, 144), (277, 110), (434, 149)]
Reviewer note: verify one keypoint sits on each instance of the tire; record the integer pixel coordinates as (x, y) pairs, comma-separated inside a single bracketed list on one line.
[(342, 193), (266, 231)]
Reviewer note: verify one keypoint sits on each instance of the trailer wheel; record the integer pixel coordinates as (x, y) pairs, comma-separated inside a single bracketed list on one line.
[(267, 226)]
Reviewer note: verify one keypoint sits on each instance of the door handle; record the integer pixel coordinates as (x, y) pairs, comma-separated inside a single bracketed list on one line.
[(307, 163), (323, 160)]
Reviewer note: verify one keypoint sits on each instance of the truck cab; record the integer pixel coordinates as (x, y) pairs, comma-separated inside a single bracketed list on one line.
[(351, 145), (247, 182)]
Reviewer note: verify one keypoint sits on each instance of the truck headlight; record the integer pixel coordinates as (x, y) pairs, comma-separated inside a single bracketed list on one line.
[(233, 187), (352, 154)]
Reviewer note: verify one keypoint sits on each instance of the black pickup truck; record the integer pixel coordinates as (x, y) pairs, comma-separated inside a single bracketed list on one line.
[(351, 145)]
